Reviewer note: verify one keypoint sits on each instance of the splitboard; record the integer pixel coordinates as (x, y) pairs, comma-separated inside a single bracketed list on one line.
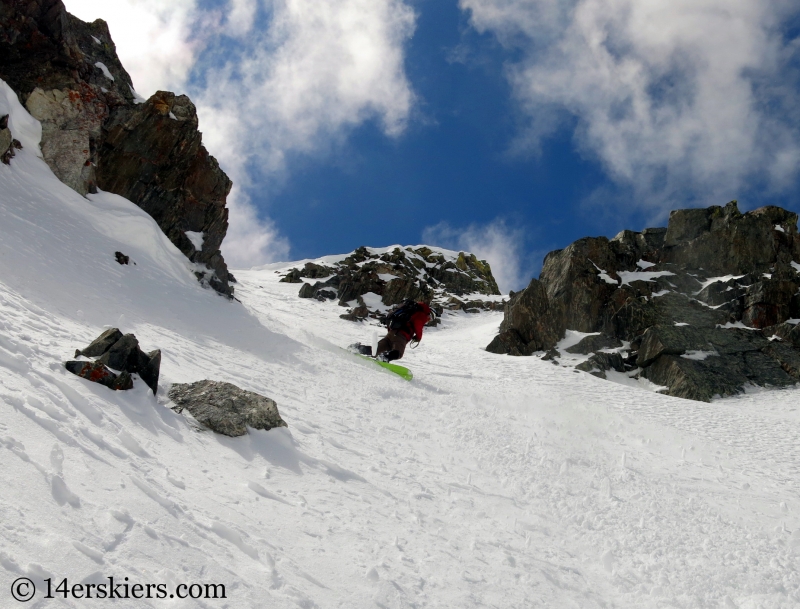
[(400, 371)]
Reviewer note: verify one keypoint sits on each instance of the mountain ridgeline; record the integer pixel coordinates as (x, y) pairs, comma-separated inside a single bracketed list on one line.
[(701, 308), (96, 132)]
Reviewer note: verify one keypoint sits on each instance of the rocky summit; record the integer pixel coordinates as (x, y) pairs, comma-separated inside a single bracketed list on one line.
[(701, 308), (96, 132), (369, 281)]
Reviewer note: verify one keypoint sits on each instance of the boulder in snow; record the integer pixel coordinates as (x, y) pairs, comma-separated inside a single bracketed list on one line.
[(99, 373), (122, 352), (224, 408)]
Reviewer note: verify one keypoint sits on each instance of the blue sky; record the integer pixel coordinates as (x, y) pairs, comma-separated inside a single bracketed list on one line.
[(509, 127)]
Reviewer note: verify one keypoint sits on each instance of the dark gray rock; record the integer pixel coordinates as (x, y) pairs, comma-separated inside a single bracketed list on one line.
[(101, 344), (661, 340), (316, 271), (590, 344), (293, 276), (94, 134), (150, 368), (320, 291), (551, 356), (152, 154), (359, 313), (579, 280), (399, 290), (97, 372), (529, 324), (122, 352), (646, 287), (306, 291), (420, 274), (767, 302), (600, 363), (790, 333), (509, 342), (224, 408), (638, 314), (723, 241), (734, 357)]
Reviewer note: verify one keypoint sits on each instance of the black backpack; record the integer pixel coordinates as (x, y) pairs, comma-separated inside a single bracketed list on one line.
[(399, 318)]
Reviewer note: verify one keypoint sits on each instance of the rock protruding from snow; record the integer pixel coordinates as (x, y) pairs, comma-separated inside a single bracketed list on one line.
[(95, 134), (224, 408), (183, 188), (715, 281), (121, 352), (97, 372), (369, 281), (529, 324)]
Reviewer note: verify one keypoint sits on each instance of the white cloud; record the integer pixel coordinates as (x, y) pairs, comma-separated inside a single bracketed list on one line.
[(321, 68), (296, 83), (677, 98), (242, 16), (154, 39), (501, 246), (251, 240)]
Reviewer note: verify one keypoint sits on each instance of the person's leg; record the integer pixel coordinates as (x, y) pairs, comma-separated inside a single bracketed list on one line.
[(398, 348), (385, 344)]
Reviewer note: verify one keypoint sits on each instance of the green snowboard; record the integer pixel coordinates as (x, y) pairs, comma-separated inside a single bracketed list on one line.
[(398, 370)]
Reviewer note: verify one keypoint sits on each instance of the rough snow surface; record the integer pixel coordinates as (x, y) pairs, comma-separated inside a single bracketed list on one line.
[(488, 481)]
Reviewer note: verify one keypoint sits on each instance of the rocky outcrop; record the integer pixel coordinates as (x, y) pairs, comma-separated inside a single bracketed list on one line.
[(224, 408), (96, 134), (529, 323), (119, 352), (152, 153), (446, 280), (701, 307)]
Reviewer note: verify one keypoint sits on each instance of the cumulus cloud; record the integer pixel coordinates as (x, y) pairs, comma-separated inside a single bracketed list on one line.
[(321, 68), (270, 78), (682, 101), (497, 243)]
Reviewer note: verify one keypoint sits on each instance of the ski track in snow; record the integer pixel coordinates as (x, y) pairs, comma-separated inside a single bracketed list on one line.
[(487, 481)]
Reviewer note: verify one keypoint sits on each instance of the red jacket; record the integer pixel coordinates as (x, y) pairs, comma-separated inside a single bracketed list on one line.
[(417, 323)]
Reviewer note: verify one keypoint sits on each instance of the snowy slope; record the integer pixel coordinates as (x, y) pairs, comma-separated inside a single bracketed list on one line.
[(488, 481)]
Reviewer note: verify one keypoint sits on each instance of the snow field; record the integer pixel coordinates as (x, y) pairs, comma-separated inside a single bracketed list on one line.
[(487, 481)]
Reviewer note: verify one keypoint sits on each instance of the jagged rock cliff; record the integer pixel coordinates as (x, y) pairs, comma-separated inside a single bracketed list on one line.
[(96, 133), (369, 281), (702, 307)]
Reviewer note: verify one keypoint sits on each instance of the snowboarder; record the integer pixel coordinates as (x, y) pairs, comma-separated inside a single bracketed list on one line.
[(405, 324)]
